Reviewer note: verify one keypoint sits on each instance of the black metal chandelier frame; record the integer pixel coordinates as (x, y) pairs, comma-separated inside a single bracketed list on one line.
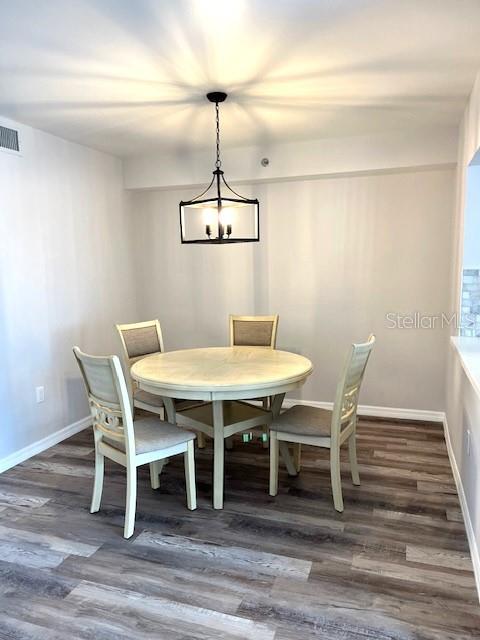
[(224, 230)]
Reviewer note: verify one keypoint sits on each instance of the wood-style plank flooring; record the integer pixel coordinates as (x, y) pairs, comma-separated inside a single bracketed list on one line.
[(394, 566)]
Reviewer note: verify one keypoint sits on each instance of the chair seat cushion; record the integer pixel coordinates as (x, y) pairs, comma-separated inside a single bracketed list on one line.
[(305, 421), (152, 434), (180, 405), (156, 401), (139, 395)]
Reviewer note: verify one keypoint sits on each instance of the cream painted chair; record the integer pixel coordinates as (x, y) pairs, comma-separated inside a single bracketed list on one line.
[(254, 331), (322, 428), (128, 442), (140, 340), (245, 331)]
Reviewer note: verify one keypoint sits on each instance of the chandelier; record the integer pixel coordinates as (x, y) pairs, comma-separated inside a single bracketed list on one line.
[(219, 215)]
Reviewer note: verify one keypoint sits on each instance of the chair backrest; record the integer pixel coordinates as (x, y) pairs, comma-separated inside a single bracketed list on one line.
[(140, 339), (348, 387), (253, 331), (108, 397)]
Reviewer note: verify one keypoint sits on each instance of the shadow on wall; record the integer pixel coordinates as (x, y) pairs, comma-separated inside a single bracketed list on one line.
[(76, 399), (7, 415)]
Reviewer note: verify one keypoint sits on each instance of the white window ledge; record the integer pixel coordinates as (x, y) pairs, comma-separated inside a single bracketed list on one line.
[(469, 352)]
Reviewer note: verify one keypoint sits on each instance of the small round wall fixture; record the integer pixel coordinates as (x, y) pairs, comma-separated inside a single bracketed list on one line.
[(219, 215)]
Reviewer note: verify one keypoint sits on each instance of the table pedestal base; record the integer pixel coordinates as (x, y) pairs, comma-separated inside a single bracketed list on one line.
[(220, 420)]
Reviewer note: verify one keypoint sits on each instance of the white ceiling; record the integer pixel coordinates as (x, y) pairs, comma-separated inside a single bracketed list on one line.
[(129, 76)]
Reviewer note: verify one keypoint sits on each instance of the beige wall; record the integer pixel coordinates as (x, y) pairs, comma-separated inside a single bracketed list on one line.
[(424, 147), (336, 256), (65, 278)]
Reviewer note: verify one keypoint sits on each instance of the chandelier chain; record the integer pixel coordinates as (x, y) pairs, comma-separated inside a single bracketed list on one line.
[(218, 162)]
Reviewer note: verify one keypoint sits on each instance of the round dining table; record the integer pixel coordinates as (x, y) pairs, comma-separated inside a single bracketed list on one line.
[(221, 379)]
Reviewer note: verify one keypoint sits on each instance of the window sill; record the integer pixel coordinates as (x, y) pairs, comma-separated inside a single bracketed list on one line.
[(469, 352)]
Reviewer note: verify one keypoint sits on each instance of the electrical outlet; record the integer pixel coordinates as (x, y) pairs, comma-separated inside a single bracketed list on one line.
[(40, 394), (468, 441)]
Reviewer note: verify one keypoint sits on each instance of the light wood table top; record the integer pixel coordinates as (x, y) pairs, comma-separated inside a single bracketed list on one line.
[(216, 373)]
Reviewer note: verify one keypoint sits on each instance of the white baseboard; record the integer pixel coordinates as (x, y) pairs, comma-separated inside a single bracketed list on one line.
[(377, 412), (45, 443), (474, 551)]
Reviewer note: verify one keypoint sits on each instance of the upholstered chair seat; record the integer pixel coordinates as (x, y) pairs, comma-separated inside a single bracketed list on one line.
[(143, 397), (303, 420), (150, 436)]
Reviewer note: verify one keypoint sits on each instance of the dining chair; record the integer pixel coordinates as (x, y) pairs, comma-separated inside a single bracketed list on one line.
[(322, 428), (139, 340), (126, 441), (254, 331)]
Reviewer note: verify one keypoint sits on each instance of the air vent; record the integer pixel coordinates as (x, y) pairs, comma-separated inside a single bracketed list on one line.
[(9, 139)]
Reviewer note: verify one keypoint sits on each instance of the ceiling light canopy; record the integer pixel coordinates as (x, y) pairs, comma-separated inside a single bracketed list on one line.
[(219, 215)]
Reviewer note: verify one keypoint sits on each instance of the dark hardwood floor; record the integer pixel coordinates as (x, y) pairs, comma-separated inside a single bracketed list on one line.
[(394, 566)]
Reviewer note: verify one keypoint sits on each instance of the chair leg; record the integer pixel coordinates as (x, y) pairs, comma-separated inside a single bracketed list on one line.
[(336, 478), (131, 500), (201, 440), (297, 456), (352, 454), (273, 464), (189, 459), (287, 458), (98, 481), (155, 471)]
